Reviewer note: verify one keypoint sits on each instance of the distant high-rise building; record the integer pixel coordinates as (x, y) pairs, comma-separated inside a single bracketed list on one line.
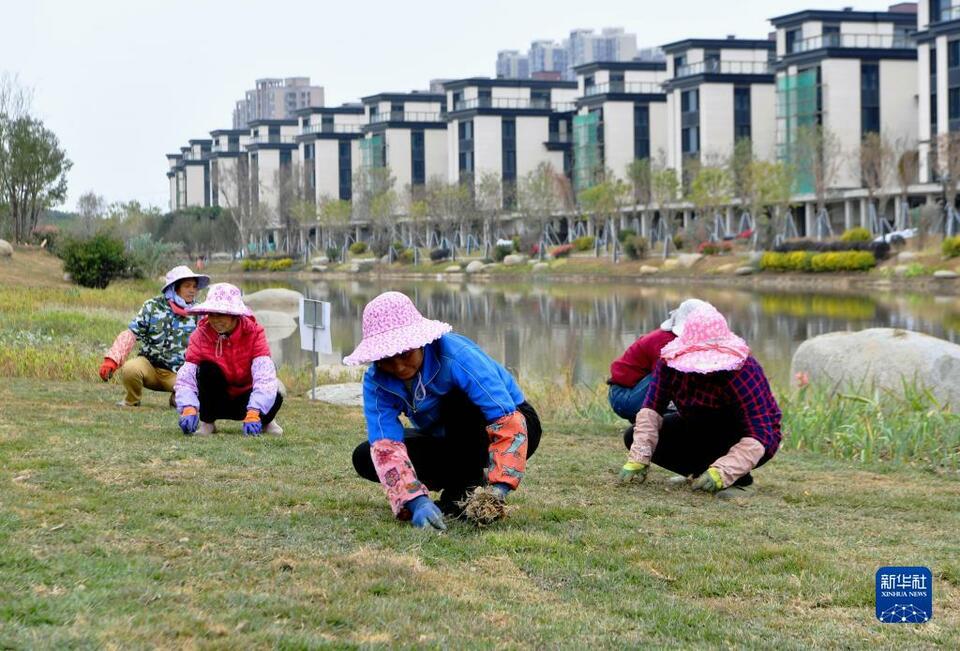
[(548, 56), (276, 99), (511, 64)]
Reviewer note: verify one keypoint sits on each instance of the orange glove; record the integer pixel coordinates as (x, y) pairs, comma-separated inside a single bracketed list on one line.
[(107, 369), (251, 424)]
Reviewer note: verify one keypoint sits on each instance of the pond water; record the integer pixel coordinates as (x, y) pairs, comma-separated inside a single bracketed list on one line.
[(570, 332)]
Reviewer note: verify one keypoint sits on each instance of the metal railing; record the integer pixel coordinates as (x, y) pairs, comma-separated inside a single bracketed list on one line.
[(405, 116), (560, 138), (631, 87), (273, 139), (720, 67), (333, 128), (189, 155), (863, 41), (233, 146), (514, 103)]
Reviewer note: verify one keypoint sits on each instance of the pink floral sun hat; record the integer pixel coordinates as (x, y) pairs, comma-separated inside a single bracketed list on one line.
[(393, 325), (706, 345), (222, 298)]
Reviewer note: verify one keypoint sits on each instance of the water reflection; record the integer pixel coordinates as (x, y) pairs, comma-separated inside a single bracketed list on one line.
[(570, 332)]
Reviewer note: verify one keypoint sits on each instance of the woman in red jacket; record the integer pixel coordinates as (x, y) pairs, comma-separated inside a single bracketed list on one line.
[(228, 373), (631, 372)]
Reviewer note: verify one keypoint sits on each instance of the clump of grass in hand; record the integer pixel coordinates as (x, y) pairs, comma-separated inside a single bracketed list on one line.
[(483, 507)]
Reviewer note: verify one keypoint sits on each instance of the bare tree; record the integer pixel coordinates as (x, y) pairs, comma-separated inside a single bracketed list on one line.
[(489, 199), (740, 167), (665, 188), (908, 172), (92, 208), (948, 170), (638, 176), (448, 203), (333, 215), (876, 164), (375, 201), (770, 185), (604, 201), (817, 155), (709, 191), (540, 200), (235, 191)]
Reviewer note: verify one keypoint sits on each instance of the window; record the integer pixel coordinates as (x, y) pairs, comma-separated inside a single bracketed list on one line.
[(690, 121), (869, 98), (465, 147), (641, 131), (689, 101), (690, 137), (831, 36), (741, 112), (484, 98), (588, 83), (933, 90), (792, 38), (711, 61), (327, 123), (616, 82), (953, 54), (508, 133), (345, 167), (935, 11), (540, 99), (417, 158), (953, 104), (396, 111)]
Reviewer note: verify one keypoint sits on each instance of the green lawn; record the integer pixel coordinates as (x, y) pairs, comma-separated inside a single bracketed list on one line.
[(117, 531)]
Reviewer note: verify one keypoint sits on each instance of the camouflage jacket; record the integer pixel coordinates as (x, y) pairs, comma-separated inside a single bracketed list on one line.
[(163, 334)]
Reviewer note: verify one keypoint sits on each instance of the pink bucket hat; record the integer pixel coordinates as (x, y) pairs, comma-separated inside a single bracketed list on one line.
[(393, 325), (222, 298), (678, 317), (182, 273), (706, 345)]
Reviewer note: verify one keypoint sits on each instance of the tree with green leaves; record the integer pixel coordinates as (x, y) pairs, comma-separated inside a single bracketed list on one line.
[(375, 202), (664, 190), (876, 166), (603, 202), (489, 200), (540, 200), (770, 191), (709, 192), (333, 215), (740, 166)]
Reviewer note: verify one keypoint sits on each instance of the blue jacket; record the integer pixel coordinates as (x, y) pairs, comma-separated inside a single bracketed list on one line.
[(451, 362)]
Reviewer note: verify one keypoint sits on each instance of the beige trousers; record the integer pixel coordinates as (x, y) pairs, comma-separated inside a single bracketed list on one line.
[(138, 373)]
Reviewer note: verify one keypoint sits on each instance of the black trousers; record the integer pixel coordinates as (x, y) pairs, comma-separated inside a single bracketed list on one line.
[(215, 403), (457, 460), (689, 444)]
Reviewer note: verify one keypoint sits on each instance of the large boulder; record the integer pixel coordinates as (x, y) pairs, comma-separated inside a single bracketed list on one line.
[(276, 299), (453, 269), (322, 259), (514, 259), (277, 326), (475, 266), (346, 395), (6, 250), (687, 260), (541, 267), (647, 270), (884, 358)]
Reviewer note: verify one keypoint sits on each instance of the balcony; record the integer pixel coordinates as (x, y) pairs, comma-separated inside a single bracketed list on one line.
[(720, 67), (513, 103), (189, 155), (630, 87), (273, 139), (333, 128), (225, 148), (947, 14), (560, 138), (405, 116), (859, 41)]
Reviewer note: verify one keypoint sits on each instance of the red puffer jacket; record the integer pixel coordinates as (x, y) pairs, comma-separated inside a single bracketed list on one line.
[(233, 353)]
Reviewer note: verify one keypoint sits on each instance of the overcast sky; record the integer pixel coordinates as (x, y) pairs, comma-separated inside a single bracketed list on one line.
[(124, 82)]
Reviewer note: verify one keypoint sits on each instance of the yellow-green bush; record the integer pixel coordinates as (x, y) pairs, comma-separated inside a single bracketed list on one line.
[(843, 261), (792, 261), (358, 248), (951, 246), (858, 234), (584, 243), (280, 265), (254, 265)]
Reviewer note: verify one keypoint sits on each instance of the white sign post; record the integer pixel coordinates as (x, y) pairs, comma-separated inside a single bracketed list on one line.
[(315, 332)]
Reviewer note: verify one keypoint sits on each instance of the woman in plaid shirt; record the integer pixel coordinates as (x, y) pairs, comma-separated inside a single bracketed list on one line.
[(727, 421)]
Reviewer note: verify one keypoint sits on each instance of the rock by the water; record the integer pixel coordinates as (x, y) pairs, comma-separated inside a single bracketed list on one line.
[(744, 271), (670, 264), (945, 274), (906, 256), (514, 259), (276, 299), (318, 268), (474, 267), (322, 259), (647, 270), (276, 325), (687, 260), (541, 266), (345, 395), (453, 269), (6, 250), (884, 358)]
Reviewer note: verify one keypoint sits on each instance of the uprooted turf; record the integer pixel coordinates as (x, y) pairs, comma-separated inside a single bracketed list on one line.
[(115, 530)]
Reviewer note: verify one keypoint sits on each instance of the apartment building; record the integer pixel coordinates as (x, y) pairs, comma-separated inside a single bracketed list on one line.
[(405, 132), (851, 72), (718, 91), (194, 177), (276, 99), (511, 64), (507, 127), (273, 160), (175, 181), (549, 56), (228, 168), (621, 117), (938, 78), (329, 144)]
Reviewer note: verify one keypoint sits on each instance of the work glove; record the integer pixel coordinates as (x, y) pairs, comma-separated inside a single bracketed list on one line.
[(500, 490), (107, 369), (426, 514), (251, 424), (633, 472), (189, 420), (710, 481)]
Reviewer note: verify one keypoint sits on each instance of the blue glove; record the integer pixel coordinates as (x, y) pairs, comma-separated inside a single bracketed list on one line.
[(189, 420), (501, 490), (251, 424), (426, 514)]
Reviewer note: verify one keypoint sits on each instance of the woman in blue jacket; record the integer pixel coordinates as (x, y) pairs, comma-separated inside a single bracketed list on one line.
[(472, 425)]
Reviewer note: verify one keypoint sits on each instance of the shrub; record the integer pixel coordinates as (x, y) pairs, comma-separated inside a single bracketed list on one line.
[(149, 258), (279, 265), (843, 261), (792, 261), (358, 248), (442, 254), (585, 243), (714, 248), (624, 233), (333, 253), (94, 262), (951, 246), (678, 241), (880, 250), (47, 233), (406, 257), (858, 234), (252, 264), (562, 251), (501, 251), (635, 247)]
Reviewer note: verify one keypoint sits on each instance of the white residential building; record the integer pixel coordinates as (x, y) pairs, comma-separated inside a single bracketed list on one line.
[(718, 91), (851, 72), (196, 174), (938, 78), (276, 99), (405, 132), (621, 117), (229, 176), (273, 160), (329, 143), (507, 127)]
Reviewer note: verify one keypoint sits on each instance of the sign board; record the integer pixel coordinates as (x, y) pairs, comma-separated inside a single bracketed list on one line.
[(315, 326)]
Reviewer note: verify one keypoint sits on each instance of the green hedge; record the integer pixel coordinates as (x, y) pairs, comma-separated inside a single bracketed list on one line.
[(585, 243), (808, 261), (951, 246), (266, 264), (358, 248), (858, 234)]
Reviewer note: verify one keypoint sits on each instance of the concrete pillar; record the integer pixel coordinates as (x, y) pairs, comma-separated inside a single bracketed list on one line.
[(847, 214), (728, 228), (896, 213), (686, 219), (808, 221), (864, 215), (645, 224)]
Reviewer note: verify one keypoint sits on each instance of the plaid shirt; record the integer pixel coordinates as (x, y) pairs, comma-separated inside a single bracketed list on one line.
[(745, 392)]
